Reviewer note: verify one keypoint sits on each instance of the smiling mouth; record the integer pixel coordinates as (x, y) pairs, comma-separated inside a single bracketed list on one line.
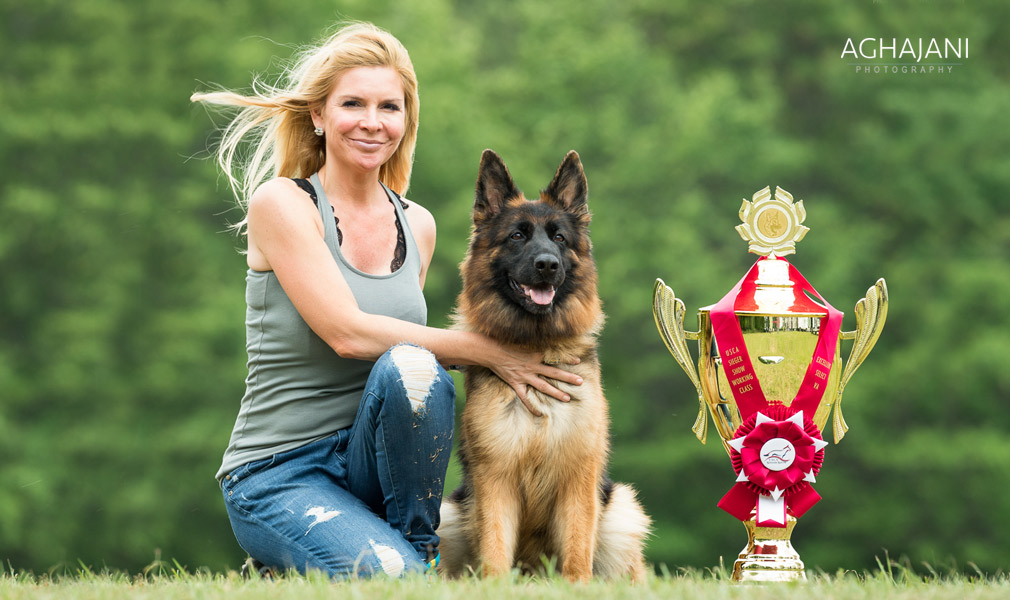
[(541, 294), (367, 144)]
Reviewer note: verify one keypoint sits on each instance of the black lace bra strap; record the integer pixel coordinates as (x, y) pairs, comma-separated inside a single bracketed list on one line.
[(306, 186), (403, 203)]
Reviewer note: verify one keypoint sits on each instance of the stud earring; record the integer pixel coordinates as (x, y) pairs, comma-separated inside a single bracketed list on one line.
[(319, 131)]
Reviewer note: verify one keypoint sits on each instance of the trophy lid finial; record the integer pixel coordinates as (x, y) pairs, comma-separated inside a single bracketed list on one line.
[(772, 225)]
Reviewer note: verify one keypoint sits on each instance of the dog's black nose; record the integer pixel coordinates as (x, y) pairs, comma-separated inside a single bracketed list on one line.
[(546, 264)]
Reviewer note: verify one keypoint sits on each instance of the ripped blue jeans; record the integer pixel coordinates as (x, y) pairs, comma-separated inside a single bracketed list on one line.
[(366, 499)]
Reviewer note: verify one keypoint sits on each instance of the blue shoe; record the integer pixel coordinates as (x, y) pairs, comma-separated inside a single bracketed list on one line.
[(432, 563)]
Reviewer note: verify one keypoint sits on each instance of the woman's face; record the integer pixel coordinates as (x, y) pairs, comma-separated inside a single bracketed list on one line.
[(363, 118)]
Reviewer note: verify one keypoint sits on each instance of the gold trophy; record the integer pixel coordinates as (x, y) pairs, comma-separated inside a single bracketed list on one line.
[(770, 373)]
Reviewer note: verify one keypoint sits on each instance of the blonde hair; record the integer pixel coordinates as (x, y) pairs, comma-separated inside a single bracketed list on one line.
[(278, 120)]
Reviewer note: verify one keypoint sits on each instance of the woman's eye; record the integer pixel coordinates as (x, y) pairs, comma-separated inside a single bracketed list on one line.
[(518, 235), (392, 107), (351, 103)]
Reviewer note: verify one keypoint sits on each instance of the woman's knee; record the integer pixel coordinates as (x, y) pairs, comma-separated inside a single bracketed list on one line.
[(426, 385)]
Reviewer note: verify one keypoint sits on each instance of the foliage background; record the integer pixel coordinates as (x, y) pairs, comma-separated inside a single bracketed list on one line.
[(121, 304)]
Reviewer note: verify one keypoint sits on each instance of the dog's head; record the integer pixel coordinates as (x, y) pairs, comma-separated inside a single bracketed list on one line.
[(530, 266)]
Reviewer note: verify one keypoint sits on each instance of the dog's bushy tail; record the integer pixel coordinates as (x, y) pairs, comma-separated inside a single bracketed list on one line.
[(454, 546), (621, 536)]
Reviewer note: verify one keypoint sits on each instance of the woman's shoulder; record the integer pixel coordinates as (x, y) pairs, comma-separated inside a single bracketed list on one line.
[(278, 194), (278, 188), (281, 217), (422, 222), (281, 198)]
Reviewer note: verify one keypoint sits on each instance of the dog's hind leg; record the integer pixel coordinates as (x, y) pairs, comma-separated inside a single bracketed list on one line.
[(621, 536)]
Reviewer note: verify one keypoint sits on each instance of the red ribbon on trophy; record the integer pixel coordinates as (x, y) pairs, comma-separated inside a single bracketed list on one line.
[(778, 450)]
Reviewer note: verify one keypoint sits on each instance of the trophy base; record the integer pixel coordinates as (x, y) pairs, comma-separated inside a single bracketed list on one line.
[(769, 555)]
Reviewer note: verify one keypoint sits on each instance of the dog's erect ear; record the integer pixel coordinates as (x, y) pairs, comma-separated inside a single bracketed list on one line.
[(569, 189), (494, 187)]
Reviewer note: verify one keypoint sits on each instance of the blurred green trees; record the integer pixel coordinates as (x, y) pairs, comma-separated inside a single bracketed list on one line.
[(121, 303)]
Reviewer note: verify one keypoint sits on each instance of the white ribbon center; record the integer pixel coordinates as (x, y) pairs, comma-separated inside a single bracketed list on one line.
[(777, 454)]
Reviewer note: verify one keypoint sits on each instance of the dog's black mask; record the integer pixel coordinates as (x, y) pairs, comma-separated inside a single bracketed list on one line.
[(534, 242)]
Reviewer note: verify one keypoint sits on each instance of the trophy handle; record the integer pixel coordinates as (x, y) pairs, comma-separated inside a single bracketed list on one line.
[(668, 311), (871, 312)]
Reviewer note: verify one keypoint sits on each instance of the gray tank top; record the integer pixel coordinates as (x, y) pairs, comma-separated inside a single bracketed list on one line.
[(298, 389)]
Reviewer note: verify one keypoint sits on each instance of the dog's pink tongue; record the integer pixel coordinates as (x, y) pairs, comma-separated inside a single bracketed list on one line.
[(541, 295)]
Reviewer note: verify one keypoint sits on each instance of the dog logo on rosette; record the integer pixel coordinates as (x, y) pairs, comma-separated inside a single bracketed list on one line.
[(777, 454)]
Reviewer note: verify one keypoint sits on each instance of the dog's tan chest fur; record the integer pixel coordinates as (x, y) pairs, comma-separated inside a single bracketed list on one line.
[(499, 429)]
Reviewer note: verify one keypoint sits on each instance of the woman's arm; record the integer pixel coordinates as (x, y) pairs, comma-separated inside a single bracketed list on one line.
[(285, 236)]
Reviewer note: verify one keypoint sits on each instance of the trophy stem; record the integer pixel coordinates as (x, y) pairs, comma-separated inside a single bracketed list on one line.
[(769, 555)]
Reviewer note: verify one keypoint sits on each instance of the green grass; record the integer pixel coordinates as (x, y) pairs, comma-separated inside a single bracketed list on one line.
[(893, 580)]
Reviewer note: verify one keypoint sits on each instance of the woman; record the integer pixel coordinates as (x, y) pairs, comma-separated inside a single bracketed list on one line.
[(338, 456)]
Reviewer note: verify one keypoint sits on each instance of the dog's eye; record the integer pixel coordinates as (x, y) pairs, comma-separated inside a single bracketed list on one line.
[(518, 235), (559, 238)]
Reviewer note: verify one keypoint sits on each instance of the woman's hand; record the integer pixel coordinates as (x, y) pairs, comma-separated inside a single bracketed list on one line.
[(521, 369)]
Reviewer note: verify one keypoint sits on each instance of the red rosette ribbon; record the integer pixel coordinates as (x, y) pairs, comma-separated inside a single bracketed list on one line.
[(776, 455)]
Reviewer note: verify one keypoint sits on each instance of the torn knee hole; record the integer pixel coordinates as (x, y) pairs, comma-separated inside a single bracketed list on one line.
[(389, 559), (418, 372)]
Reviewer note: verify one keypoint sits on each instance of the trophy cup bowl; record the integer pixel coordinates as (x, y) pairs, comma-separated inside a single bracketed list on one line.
[(781, 328)]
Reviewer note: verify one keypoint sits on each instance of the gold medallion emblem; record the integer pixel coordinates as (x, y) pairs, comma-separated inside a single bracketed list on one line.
[(772, 225)]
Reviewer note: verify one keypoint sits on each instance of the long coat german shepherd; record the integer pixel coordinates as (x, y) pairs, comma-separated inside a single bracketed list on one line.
[(535, 487)]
